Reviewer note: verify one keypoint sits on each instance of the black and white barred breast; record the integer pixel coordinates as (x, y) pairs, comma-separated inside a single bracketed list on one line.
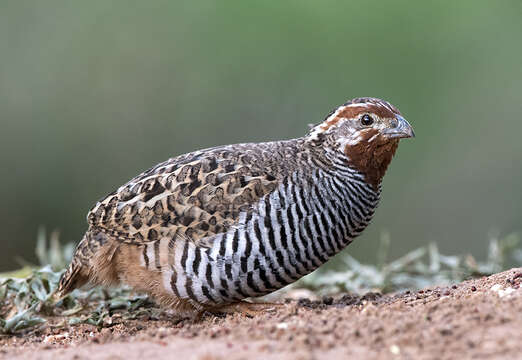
[(238, 221)]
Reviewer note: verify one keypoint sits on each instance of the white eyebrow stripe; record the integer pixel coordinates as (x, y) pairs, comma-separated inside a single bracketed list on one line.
[(318, 129), (334, 115), (359, 105)]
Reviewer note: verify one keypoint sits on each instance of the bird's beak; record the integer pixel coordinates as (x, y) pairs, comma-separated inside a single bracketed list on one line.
[(402, 130)]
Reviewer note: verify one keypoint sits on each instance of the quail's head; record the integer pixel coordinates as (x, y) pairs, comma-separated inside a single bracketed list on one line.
[(364, 133)]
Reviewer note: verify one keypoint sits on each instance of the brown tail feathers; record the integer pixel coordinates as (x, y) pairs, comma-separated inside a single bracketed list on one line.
[(95, 248), (73, 278)]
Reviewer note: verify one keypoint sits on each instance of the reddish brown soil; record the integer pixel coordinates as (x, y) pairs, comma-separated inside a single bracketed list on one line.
[(470, 320)]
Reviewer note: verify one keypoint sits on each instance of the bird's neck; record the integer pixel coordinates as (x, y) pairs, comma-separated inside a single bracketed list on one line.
[(365, 161)]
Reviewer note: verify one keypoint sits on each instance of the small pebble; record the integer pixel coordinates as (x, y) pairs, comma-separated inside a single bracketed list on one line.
[(473, 288), (327, 300)]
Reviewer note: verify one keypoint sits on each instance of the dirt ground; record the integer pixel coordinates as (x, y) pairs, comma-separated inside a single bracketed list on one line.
[(477, 319)]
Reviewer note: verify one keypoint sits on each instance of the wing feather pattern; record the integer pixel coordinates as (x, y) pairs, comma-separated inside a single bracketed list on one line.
[(195, 195)]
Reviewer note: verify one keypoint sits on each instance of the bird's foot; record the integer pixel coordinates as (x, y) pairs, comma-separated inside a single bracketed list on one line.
[(246, 308)]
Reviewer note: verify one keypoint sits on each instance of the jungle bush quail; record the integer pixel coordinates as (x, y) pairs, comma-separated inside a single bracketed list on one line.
[(205, 230)]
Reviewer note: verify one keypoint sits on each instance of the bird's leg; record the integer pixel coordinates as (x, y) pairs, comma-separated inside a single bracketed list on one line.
[(106, 295), (245, 308)]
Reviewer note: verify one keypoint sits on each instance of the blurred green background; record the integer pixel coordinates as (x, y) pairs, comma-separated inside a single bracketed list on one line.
[(94, 92)]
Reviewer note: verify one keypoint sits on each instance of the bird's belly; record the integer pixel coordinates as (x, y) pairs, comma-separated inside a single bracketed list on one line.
[(274, 247), (249, 263)]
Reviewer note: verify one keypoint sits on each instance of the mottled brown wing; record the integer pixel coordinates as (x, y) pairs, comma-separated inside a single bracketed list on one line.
[(194, 195)]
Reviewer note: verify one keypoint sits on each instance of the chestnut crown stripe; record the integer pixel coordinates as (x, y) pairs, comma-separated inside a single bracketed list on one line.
[(353, 108)]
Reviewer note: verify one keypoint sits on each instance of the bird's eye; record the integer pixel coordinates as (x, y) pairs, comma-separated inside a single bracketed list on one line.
[(366, 120)]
